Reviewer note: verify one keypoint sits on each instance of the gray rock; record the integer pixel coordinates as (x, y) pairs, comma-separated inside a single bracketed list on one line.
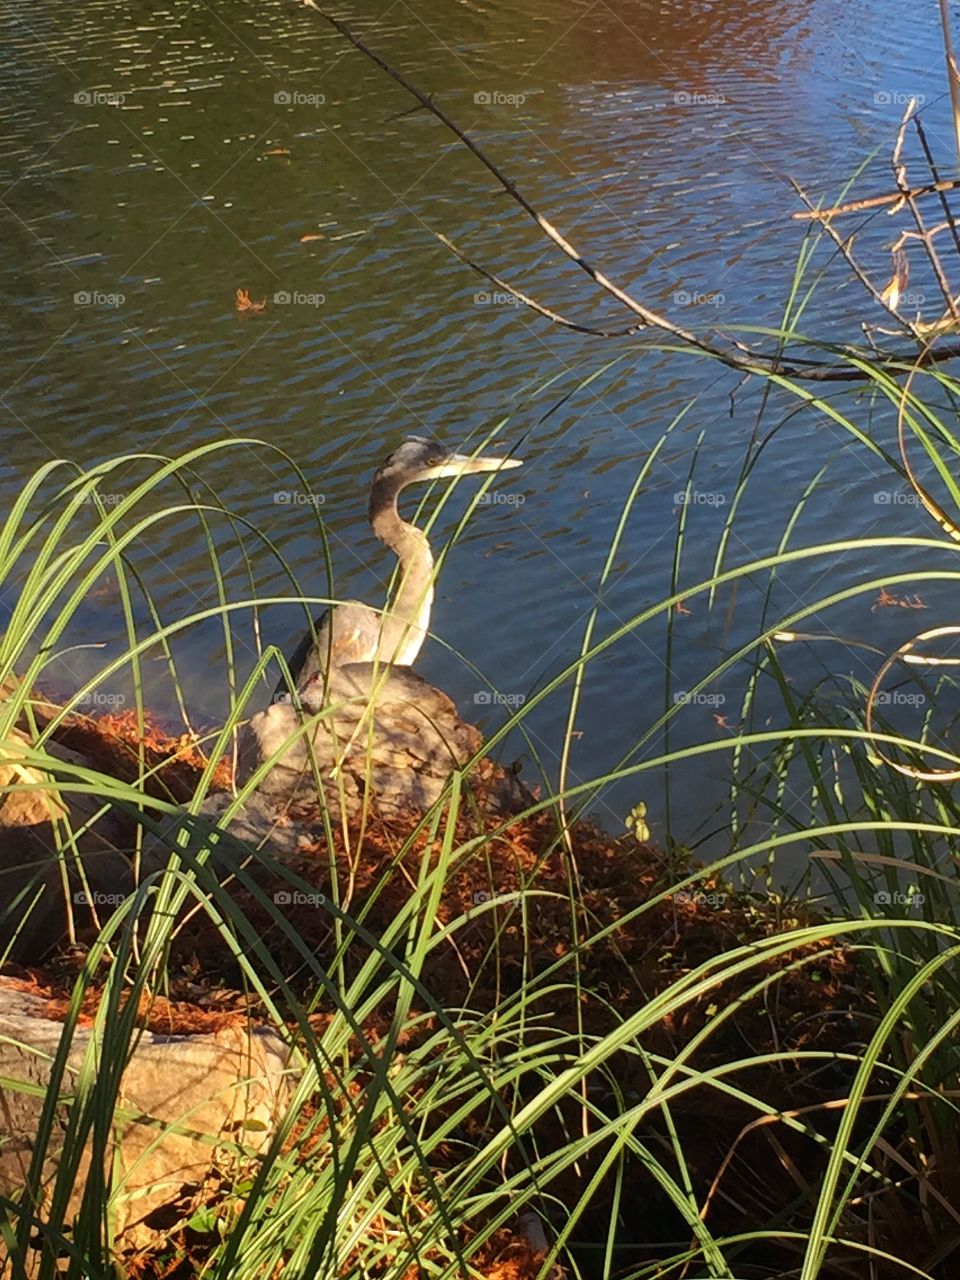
[(260, 830), (223, 1092), (373, 733), (376, 735)]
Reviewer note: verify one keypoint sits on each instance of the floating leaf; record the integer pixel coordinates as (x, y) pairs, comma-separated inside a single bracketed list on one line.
[(245, 303)]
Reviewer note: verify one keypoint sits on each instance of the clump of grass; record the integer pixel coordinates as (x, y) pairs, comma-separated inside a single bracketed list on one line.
[(528, 1015)]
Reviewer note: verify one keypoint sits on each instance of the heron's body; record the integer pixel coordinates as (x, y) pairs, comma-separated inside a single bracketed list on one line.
[(352, 631)]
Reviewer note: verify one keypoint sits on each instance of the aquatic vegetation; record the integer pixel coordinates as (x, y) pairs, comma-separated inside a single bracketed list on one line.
[(526, 1014)]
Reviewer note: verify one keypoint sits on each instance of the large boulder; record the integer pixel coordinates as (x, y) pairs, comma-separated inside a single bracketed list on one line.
[(373, 737), (187, 1104), (373, 734)]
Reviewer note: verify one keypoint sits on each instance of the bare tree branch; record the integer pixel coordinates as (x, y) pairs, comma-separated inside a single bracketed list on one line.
[(846, 248), (875, 202), (737, 355), (931, 165), (554, 316), (926, 238)]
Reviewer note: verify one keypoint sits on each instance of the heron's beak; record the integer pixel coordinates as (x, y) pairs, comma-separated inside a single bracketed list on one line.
[(461, 464)]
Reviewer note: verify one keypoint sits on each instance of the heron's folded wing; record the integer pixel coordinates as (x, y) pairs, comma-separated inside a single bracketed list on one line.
[(355, 643)]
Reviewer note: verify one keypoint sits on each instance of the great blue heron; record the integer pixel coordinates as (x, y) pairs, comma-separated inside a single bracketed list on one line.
[(353, 632)]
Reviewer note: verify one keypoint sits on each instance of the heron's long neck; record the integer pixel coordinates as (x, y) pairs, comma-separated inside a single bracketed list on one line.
[(409, 617)]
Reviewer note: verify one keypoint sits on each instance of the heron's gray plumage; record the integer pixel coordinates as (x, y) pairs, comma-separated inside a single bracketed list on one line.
[(352, 631)]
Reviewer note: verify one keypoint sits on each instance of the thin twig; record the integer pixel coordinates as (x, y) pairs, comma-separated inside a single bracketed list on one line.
[(738, 356), (845, 248), (644, 313), (931, 165), (876, 202), (900, 177), (554, 316)]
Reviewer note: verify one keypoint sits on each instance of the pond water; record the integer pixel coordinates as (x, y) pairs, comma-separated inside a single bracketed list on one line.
[(158, 157)]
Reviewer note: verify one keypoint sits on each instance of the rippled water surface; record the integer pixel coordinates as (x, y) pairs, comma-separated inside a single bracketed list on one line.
[(158, 157)]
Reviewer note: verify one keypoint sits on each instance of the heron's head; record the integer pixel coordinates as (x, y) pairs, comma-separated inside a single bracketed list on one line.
[(421, 459)]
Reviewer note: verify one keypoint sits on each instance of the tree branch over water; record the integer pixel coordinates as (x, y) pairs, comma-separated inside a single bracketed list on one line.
[(876, 202), (554, 316), (735, 355)]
